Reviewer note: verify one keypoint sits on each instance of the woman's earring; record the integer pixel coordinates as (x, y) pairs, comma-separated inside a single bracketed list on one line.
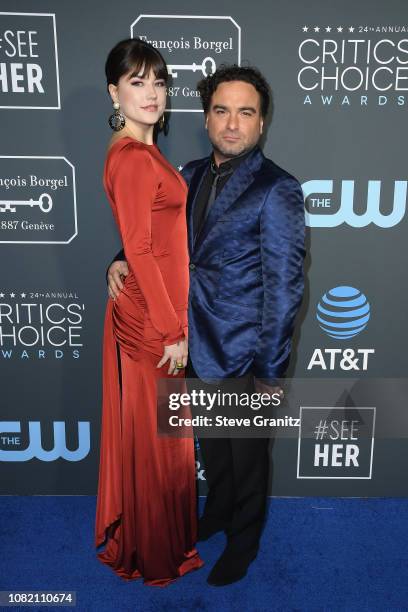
[(161, 122), (117, 120)]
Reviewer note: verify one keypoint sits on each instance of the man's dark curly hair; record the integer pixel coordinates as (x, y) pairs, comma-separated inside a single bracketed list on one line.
[(233, 72)]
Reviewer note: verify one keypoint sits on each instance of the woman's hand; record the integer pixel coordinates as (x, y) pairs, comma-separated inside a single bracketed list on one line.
[(176, 353)]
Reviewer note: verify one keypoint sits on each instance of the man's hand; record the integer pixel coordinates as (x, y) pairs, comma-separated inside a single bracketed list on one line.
[(116, 274), (262, 386)]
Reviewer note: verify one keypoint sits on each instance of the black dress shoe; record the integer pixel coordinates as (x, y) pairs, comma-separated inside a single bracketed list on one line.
[(208, 527), (230, 567)]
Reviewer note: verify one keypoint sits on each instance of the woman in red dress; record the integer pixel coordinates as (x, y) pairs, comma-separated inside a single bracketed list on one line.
[(146, 504)]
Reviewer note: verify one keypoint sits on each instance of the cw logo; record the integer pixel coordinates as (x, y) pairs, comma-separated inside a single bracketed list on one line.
[(346, 213), (35, 448)]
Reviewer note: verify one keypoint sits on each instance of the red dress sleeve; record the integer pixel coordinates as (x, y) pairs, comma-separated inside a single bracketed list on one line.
[(134, 186)]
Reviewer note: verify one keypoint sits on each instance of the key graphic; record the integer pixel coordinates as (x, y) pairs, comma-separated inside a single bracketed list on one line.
[(174, 68), (44, 202)]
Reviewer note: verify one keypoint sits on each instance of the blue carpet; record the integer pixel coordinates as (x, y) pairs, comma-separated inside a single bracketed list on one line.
[(317, 554)]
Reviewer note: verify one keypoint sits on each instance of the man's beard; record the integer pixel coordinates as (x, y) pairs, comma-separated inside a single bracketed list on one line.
[(229, 153)]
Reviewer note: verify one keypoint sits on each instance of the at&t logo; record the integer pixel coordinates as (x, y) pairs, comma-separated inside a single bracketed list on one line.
[(342, 313)]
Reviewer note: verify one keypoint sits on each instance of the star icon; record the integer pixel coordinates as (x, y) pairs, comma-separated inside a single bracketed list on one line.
[(351, 29), (23, 295), (12, 295), (1, 295), (340, 29), (328, 29), (305, 28), (316, 29)]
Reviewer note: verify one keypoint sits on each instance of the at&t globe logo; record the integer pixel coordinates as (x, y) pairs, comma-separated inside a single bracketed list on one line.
[(343, 312)]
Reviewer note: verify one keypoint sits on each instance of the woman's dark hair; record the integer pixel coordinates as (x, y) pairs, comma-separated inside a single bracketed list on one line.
[(209, 84), (134, 54)]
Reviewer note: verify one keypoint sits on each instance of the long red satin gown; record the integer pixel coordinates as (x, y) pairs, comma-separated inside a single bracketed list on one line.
[(146, 504)]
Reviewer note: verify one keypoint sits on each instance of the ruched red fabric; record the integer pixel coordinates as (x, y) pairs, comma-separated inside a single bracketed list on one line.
[(146, 503)]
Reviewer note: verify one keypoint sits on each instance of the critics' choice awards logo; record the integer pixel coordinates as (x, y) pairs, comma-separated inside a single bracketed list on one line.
[(30, 441), (37, 200), (29, 75), (342, 313), (336, 443), (353, 65), (41, 325), (193, 47), (330, 204)]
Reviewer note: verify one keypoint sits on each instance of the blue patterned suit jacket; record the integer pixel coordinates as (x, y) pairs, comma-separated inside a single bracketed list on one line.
[(246, 270)]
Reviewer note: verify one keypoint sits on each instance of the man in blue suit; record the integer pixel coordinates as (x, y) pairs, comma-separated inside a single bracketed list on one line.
[(246, 226)]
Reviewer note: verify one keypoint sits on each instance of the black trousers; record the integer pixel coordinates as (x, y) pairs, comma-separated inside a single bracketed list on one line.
[(236, 471)]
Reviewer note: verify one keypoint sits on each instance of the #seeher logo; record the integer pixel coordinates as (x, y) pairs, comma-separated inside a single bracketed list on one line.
[(343, 312)]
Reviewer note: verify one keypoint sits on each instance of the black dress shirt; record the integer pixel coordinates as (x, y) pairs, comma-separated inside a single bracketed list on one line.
[(225, 170)]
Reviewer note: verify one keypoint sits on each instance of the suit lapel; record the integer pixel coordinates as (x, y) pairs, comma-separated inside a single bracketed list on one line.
[(193, 189), (234, 187)]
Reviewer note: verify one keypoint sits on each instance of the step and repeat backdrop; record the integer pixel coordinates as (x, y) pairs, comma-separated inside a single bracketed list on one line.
[(339, 75)]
